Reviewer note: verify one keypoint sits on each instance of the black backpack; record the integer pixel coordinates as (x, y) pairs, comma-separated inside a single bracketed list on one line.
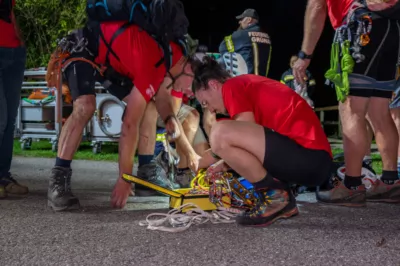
[(164, 20), (5, 10)]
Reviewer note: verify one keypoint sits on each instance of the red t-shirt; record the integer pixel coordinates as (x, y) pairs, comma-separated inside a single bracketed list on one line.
[(276, 107), (337, 10), (9, 37), (138, 53)]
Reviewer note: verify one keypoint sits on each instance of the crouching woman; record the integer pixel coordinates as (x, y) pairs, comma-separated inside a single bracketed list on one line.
[(273, 139)]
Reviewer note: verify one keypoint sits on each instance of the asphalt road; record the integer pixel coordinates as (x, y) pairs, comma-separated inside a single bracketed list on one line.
[(32, 234)]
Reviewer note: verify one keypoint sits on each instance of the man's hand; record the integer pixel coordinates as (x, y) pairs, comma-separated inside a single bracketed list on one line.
[(193, 161), (218, 167), (120, 193), (299, 70), (172, 128)]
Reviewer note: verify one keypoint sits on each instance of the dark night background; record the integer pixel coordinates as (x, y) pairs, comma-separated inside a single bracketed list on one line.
[(211, 20)]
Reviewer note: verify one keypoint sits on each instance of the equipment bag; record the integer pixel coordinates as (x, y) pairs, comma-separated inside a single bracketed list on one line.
[(5, 10), (164, 20), (385, 8)]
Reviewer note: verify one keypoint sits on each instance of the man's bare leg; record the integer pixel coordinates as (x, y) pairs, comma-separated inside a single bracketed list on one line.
[(59, 194), (147, 139), (386, 137), (355, 137), (395, 112), (190, 126)]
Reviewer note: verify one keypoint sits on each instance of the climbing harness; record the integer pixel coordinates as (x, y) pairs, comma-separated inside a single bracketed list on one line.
[(346, 49)]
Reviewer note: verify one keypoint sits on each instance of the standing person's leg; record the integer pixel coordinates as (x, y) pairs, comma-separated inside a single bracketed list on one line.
[(12, 67), (80, 77), (270, 162), (395, 111), (370, 85)]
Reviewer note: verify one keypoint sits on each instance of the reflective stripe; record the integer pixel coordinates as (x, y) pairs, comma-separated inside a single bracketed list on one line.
[(255, 57), (312, 82), (229, 44), (269, 60), (288, 78)]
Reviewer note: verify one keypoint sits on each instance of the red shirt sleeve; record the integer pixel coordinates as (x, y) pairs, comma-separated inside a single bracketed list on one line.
[(235, 98)]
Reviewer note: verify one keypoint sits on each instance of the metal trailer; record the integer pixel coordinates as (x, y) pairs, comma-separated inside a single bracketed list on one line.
[(107, 120), (39, 121)]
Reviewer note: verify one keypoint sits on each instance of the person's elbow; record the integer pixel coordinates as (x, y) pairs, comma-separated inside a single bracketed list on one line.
[(317, 6)]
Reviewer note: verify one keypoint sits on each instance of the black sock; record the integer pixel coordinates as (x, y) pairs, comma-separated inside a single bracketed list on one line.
[(63, 163), (352, 182), (389, 177), (182, 170), (264, 183), (145, 159)]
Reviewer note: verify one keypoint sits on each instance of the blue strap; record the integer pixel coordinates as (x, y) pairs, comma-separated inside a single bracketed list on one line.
[(133, 8), (104, 4), (185, 49)]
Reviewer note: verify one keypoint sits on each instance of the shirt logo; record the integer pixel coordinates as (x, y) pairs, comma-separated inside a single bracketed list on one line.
[(150, 91)]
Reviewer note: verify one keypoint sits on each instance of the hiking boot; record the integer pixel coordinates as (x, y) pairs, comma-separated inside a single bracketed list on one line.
[(155, 174), (381, 192), (184, 178), (59, 194), (11, 186), (272, 204), (341, 195), (3, 192), (163, 161)]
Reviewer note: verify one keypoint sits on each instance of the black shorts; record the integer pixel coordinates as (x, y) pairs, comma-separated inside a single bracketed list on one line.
[(291, 163), (375, 76)]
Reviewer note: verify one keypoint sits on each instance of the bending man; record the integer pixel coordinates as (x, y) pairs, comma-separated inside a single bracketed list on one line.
[(138, 55), (274, 138)]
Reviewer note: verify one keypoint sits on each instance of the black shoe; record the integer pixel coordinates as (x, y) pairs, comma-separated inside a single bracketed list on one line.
[(59, 194), (273, 204), (155, 174)]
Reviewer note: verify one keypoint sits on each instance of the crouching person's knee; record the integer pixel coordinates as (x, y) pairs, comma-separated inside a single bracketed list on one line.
[(219, 137)]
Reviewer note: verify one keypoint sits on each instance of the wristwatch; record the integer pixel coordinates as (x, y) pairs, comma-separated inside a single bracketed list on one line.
[(303, 55)]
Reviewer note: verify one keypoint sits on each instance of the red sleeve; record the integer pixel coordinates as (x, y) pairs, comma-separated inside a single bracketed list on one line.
[(235, 98)]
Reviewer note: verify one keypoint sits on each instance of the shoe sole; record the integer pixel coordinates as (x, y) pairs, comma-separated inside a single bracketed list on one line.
[(344, 204), (64, 208), (384, 200), (293, 212)]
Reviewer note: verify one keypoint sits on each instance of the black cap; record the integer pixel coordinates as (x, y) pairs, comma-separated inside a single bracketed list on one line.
[(252, 13)]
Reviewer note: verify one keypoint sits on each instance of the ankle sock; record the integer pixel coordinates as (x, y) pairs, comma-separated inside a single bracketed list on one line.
[(145, 159), (352, 182), (63, 163), (266, 182), (389, 177), (182, 170)]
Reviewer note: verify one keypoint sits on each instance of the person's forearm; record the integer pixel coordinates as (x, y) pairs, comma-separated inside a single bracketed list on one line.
[(314, 22), (207, 159), (165, 108), (127, 147)]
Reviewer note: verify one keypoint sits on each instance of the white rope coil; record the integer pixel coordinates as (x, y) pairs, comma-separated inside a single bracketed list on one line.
[(176, 221)]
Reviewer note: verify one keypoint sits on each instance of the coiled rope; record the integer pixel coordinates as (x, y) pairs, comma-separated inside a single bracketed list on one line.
[(176, 221)]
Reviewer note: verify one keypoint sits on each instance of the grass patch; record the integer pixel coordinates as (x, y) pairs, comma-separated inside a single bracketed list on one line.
[(42, 149)]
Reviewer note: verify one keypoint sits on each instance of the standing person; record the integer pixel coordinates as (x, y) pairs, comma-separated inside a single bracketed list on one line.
[(12, 67), (250, 44), (371, 84)]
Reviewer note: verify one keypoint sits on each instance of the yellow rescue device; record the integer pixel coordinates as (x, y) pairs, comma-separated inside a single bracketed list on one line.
[(198, 195)]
